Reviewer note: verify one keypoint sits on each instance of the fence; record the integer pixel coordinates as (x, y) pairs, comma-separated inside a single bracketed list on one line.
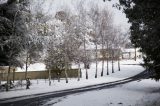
[(72, 73)]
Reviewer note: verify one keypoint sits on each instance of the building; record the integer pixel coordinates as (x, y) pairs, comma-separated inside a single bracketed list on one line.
[(130, 53), (102, 53)]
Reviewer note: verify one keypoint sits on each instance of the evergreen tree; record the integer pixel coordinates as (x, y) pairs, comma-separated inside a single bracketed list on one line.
[(12, 27), (144, 16), (13, 16)]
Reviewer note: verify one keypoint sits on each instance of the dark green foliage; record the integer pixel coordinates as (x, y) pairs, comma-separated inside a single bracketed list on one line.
[(12, 29), (144, 16)]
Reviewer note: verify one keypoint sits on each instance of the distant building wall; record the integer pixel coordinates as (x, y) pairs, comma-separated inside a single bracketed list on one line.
[(106, 53), (130, 54)]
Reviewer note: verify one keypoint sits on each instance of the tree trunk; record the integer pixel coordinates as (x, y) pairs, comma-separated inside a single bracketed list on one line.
[(107, 66), (49, 77), (26, 67), (8, 76), (103, 56), (96, 61), (85, 57), (65, 70), (86, 73), (26, 70), (66, 75), (0, 77), (58, 76), (112, 61), (107, 58), (13, 74), (78, 71), (135, 55), (102, 68), (119, 69)]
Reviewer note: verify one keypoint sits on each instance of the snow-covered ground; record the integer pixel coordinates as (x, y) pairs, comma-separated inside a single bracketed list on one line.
[(143, 93), (33, 67), (42, 86), (128, 69)]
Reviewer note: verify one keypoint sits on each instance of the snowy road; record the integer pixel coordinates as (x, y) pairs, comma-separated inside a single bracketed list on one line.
[(41, 98), (136, 93)]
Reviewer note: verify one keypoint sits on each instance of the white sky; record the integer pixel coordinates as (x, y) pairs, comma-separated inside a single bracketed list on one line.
[(53, 5), (56, 5)]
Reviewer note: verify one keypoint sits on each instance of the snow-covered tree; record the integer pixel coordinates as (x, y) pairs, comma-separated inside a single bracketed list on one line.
[(77, 42), (32, 46), (13, 15), (105, 28), (83, 30), (12, 24), (120, 40), (94, 15), (54, 59)]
